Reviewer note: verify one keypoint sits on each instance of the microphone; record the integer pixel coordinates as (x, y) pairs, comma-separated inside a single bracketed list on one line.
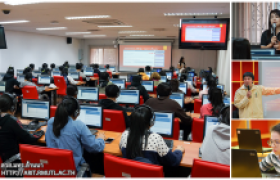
[(248, 88), (274, 29)]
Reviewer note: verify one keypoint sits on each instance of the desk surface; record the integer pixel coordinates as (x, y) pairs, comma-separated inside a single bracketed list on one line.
[(191, 149)]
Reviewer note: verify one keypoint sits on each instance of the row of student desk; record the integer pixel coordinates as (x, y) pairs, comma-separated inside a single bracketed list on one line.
[(191, 148)]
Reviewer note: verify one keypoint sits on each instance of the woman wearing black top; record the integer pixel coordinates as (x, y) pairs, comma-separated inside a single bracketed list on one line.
[(181, 63), (269, 40)]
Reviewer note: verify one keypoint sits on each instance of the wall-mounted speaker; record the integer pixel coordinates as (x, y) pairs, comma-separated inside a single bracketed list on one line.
[(69, 40)]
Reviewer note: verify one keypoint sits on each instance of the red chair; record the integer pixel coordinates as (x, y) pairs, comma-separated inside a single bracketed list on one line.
[(102, 96), (197, 105), (198, 84), (113, 120), (141, 101), (189, 92), (95, 75), (110, 74), (30, 92), (51, 158), (61, 84), (81, 78), (53, 109), (127, 84), (197, 130), (205, 169), (155, 90), (1, 176), (176, 130), (121, 167)]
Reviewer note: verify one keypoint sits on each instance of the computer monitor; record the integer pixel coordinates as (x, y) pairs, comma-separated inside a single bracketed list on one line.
[(20, 71), (163, 78), (203, 80), (55, 69), (169, 75), (2, 86), (129, 97), (209, 121), (221, 87), (245, 163), (190, 79), (265, 57), (183, 87), (226, 100), (102, 69), (1, 76), (204, 87), (119, 82), (149, 85), (157, 69), (88, 71), (177, 71), (148, 73), (112, 69), (74, 75), (72, 70), (163, 124), (130, 75), (20, 78), (36, 73), (35, 109), (250, 139), (56, 73), (190, 74), (263, 51), (44, 79), (91, 115), (205, 99), (179, 98), (88, 93)]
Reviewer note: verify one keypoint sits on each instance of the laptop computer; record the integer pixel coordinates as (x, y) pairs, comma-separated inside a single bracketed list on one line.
[(164, 126), (245, 163), (250, 139)]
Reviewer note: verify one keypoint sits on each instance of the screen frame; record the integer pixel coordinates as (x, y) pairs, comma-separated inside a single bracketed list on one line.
[(183, 100), (76, 79), (85, 87), (34, 118), (130, 103), (119, 79), (205, 122), (43, 76), (153, 86), (201, 46), (93, 105), (172, 124)]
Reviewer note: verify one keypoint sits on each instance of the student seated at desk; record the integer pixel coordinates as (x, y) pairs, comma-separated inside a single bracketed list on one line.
[(72, 91), (211, 83), (52, 67), (69, 79), (79, 67), (40, 89), (156, 78), (183, 78), (272, 159), (213, 108), (96, 69), (164, 103), (11, 132), (104, 82), (216, 143), (107, 66), (64, 131), (144, 76), (45, 70), (112, 92), (174, 83), (136, 84), (32, 66), (12, 84), (139, 144)]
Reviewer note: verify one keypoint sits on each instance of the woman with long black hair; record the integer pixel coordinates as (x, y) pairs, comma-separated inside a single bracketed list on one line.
[(270, 38), (213, 108), (139, 144), (181, 64), (66, 132)]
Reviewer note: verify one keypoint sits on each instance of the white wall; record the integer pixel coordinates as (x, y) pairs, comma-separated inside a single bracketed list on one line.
[(25, 48), (196, 59), (223, 68)]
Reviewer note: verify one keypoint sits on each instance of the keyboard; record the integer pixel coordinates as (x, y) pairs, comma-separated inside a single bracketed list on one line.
[(33, 126), (93, 131), (169, 143)]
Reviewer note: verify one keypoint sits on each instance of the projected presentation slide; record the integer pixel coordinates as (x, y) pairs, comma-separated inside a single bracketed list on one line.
[(208, 33), (133, 57)]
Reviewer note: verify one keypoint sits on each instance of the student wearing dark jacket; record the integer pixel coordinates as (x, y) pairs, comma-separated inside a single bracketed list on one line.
[(112, 92), (11, 132), (136, 82), (11, 82), (164, 103)]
